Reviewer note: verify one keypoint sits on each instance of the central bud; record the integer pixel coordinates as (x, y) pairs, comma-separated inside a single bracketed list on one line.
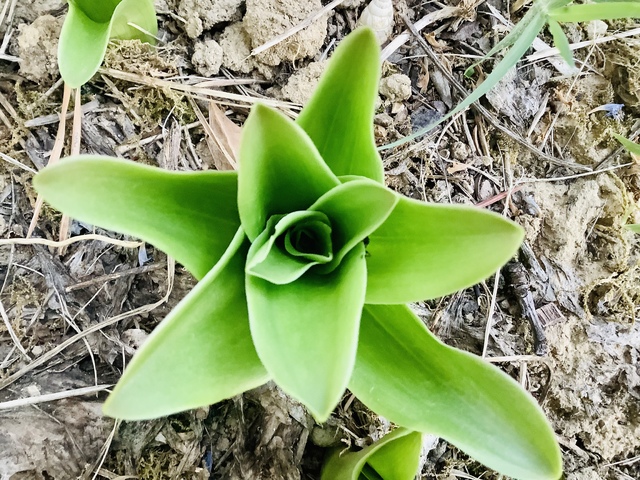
[(290, 245)]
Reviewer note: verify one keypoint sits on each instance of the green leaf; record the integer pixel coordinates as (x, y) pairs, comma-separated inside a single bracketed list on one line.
[(405, 374), (99, 12), (306, 332), (200, 354), (273, 262), (595, 11), (424, 251), (634, 227), (81, 48), (562, 42), (191, 216), (132, 13), (356, 209), (339, 116), (394, 457), (281, 170), (89, 25), (633, 147)]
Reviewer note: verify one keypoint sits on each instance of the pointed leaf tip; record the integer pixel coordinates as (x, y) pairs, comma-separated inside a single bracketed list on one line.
[(339, 116)]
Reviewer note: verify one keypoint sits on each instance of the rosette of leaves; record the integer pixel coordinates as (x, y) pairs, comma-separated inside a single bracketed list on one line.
[(305, 261), (394, 457), (90, 24)]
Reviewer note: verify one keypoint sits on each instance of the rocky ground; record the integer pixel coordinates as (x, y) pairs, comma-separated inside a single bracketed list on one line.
[(72, 318)]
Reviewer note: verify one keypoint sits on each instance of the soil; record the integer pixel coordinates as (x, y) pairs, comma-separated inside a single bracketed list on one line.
[(581, 264)]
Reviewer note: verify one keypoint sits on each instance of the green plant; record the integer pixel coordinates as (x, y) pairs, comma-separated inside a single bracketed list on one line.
[(521, 37), (394, 457), (305, 260), (90, 24)]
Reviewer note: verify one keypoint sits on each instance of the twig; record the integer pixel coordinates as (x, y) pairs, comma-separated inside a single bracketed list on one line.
[(56, 153), (12, 333), (69, 241), (50, 397), (114, 276)]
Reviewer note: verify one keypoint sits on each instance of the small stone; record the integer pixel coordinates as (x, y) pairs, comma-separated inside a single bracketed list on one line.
[(596, 29), (207, 58), (37, 351), (396, 87), (302, 83)]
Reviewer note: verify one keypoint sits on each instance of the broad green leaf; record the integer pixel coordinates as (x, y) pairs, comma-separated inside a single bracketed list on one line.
[(339, 116), (519, 48), (634, 227), (306, 332), (81, 48), (280, 168), (356, 209), (268, 257), (99, 12), (405, 374), (200, 354), (633, 147), (424, 251), (89, 25), (393, 457), (562, 42), (595, 11), (131, 14), (191, 216)]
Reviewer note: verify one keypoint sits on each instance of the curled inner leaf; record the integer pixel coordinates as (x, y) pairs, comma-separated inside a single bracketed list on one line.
[(290, 245)]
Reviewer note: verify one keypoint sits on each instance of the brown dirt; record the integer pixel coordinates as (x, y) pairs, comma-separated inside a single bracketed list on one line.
[(583, 266)]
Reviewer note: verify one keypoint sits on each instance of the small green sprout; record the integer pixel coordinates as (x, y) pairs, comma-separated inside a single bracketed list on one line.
[(520, 39), (394, 457), (305, 261), (90, 24)]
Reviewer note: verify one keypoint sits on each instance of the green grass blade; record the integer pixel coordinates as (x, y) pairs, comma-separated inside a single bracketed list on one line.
[(596, 11), (515, 53), (562, 42)]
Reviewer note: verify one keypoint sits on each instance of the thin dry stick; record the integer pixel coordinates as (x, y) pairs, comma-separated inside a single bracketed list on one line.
[(404, 37), (193, 89), (12, 333), (56, 153), (105, 450), (16, 163), (517, 358), (94, 328), (69, 241), (550, 52), (292, 31), (50, 397), (76, 138), (113, 276)]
